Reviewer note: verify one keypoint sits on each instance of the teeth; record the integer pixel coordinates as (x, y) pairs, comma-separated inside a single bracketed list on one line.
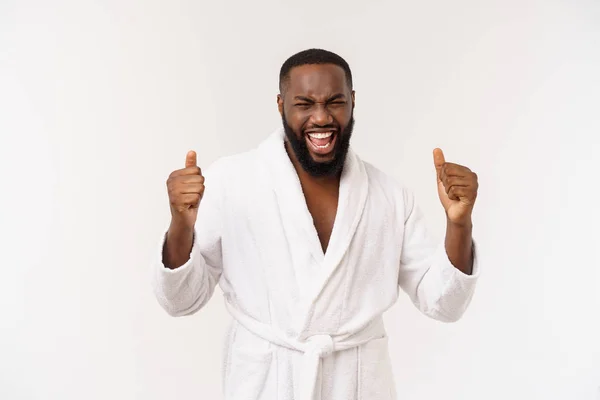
[(322, 147), (320, 135)]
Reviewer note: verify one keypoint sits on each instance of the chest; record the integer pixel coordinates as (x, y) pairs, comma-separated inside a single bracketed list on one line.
[(322, 206)]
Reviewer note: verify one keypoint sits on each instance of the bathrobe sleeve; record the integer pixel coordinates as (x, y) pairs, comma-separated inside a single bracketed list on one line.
[(186, 289), (435, 286)]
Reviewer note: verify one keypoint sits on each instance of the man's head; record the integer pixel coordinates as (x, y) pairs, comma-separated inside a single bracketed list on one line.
[(316, 103)]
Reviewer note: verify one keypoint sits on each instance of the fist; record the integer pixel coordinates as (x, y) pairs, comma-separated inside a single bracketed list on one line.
[(186, 188), (457, 189)]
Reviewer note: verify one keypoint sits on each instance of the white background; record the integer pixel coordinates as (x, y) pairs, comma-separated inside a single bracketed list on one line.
[(100, 100)]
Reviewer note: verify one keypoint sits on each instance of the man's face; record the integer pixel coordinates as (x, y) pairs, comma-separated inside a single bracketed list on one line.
[(316, 107)]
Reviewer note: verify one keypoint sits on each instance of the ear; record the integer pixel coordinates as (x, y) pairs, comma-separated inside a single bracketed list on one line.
[(280, 104), (353, 99)]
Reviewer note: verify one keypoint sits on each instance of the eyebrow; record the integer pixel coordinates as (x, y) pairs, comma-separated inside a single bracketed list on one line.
[(332, 98)]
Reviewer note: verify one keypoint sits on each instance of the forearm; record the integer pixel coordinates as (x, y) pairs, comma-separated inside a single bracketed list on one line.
[(178, 245), (459, 246)]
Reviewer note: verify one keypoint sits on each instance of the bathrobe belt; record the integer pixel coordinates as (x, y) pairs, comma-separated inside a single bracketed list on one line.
[(313, 347)]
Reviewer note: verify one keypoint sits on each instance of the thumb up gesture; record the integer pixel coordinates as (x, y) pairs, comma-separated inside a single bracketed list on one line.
[(186, 187), (457, 189)]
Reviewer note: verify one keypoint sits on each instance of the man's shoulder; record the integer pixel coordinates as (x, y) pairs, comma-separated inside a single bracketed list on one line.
[(383, 185), (381, 179), (244, 164), (231, 165)]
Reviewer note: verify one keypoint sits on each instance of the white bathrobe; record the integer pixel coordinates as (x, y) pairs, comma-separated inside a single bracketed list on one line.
[(308, 325)]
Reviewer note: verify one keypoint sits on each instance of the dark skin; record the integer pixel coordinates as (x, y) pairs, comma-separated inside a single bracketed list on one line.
[(319, 95)]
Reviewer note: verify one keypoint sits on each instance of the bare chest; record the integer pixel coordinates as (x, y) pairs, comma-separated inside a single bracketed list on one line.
[(323, 209)]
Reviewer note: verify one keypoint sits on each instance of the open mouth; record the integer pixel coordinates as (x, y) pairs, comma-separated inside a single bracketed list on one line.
[(321, 143)]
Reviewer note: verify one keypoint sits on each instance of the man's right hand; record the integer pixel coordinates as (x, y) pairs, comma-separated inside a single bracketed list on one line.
[(185, 187)]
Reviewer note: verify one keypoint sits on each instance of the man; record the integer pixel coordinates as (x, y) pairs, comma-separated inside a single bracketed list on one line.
[(310, 246)]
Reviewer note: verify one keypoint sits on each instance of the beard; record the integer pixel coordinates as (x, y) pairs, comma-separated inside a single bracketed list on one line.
[(316, 168)]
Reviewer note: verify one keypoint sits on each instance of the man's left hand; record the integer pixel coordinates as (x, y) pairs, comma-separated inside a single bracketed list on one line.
[(457, 188)]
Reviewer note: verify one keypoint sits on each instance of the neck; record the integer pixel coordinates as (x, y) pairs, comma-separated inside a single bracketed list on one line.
[(305, 177)]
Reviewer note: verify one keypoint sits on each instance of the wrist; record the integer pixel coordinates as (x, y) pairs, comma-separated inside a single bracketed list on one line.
[(462, 224), (180, 228)]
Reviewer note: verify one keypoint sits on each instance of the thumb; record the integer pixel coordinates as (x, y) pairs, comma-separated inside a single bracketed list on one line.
[(190, 159), (438, 160)]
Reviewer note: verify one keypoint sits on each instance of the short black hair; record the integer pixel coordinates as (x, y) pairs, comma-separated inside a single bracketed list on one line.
[(313, 56)]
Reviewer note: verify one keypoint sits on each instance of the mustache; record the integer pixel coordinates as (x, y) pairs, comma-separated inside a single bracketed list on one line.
[(332, 127)]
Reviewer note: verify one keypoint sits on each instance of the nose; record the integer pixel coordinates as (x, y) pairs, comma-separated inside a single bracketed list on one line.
[(321, 116)]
